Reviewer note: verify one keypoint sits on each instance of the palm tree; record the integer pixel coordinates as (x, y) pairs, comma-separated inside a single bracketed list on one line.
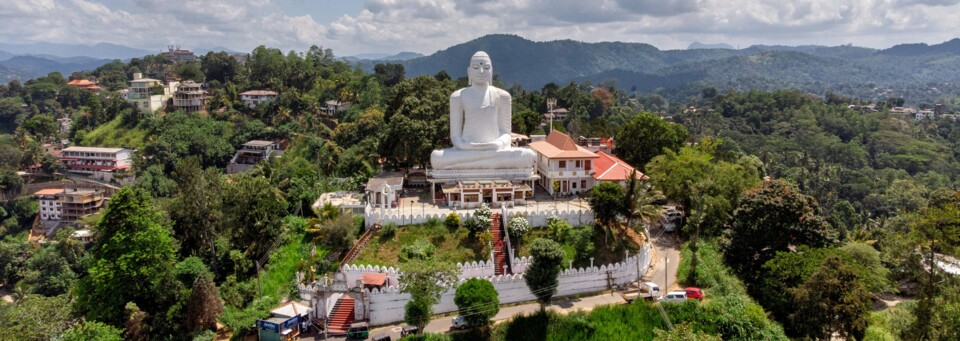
[(642, 204)]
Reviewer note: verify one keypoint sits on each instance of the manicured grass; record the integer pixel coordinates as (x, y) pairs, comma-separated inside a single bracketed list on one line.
[(112, 134), (451, 246)]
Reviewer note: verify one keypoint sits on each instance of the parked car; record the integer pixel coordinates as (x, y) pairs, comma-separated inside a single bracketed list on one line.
[(675, 296), (408, 330), (358, 331), (380, 337), (671, 218), (460, 323), (694, 293)]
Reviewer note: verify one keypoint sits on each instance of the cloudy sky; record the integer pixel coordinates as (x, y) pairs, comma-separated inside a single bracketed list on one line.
[(388, 26)]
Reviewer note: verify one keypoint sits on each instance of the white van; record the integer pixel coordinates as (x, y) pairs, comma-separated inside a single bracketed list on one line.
[(650, 289), (675, 296)]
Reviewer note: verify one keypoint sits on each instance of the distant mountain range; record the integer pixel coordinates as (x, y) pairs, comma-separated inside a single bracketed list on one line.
[(381, 57), (533, 64), (701, 46)]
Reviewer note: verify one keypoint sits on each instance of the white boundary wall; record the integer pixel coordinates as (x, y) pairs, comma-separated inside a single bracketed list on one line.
[(539, 218), (386, 306)]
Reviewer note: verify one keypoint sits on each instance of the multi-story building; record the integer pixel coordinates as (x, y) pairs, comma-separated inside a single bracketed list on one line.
[(189, 97), (251, 153), (177, 55), (563, 166), (253, 98), (99, 162), (149, 94), (68, 205)]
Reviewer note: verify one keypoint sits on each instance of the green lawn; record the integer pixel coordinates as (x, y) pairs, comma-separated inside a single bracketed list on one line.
[(451, 246)]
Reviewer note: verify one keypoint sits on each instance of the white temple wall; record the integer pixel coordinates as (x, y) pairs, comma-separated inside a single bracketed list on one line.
[(536, 219), (387, 306)]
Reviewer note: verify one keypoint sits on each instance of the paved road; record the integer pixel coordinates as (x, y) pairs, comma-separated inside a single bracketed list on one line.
[(443, 324), (665, 245)]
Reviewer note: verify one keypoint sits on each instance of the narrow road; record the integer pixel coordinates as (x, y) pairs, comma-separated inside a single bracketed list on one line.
[(444, 324), (666, 246)]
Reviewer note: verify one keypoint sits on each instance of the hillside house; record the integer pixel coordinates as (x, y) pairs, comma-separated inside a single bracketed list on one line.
[(102, 163), (252, 153), (149, 94), (563, 166), (190, 97), (253, 98)]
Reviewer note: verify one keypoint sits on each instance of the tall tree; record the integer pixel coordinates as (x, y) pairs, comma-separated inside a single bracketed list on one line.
[(253, 212), (934, 235), (477, 301), (772, 218), (832, 301), (646, 136), (543, 273), (606, 200), (197, 209), (132, 260), (204, 306), (425, 280)]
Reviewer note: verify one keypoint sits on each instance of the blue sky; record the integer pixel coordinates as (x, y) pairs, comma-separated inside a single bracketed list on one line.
[(389, 26)]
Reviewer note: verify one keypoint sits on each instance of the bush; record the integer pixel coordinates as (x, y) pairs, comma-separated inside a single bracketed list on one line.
[(477, 301), (484, 216), (420, 249), (581, 238), (474, 225), (559, 229), (518, 226), (388, 231), (453, 221)]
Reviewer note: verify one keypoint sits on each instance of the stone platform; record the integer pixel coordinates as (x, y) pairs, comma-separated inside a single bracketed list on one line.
[(515, 174)]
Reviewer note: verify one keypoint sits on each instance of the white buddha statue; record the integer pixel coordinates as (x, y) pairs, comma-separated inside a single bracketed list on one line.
[(480, 118)]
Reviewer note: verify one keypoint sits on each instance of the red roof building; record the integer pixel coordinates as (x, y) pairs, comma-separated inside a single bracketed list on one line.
[(84, 84), (610, 168)]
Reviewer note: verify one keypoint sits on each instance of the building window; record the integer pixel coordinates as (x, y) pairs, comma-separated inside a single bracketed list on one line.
[(574, 185), (563, 164), (586, 165), (577, 164), (583, 183)]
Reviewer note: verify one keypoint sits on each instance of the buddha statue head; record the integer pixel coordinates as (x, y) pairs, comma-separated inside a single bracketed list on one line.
[(480, 71)]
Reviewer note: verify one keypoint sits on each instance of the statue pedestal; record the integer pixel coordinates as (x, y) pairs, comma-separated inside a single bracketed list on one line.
[(468, 188), (517, 174)]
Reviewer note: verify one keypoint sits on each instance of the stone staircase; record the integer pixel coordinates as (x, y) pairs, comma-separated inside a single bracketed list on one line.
[(500, 255), (359, 245), (342, 316)]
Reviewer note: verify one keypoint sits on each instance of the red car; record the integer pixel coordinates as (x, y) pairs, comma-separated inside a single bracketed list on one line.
[(694, 293)]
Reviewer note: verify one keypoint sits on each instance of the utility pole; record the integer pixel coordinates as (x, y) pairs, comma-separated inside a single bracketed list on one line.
[(259, 287)]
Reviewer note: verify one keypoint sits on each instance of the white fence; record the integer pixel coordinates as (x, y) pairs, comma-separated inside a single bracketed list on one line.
[(536, 218), (386, 306)]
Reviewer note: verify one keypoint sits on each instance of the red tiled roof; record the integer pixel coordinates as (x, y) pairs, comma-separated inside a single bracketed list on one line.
[(81, 82), (560, 146), (49, 191), (374, 279), (611, 168)]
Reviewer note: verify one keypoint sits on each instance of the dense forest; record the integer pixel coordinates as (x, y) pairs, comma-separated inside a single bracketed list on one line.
[(793, 199)]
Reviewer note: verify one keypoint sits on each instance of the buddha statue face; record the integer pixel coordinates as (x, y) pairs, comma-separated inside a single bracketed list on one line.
[(480, 71)]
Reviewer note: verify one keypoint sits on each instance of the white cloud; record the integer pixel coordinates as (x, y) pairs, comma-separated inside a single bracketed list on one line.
[(429, 25)]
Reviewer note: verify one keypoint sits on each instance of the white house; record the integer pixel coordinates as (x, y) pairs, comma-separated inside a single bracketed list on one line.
[(100, 162), (141, 92), (254, 98), (563, 163)]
